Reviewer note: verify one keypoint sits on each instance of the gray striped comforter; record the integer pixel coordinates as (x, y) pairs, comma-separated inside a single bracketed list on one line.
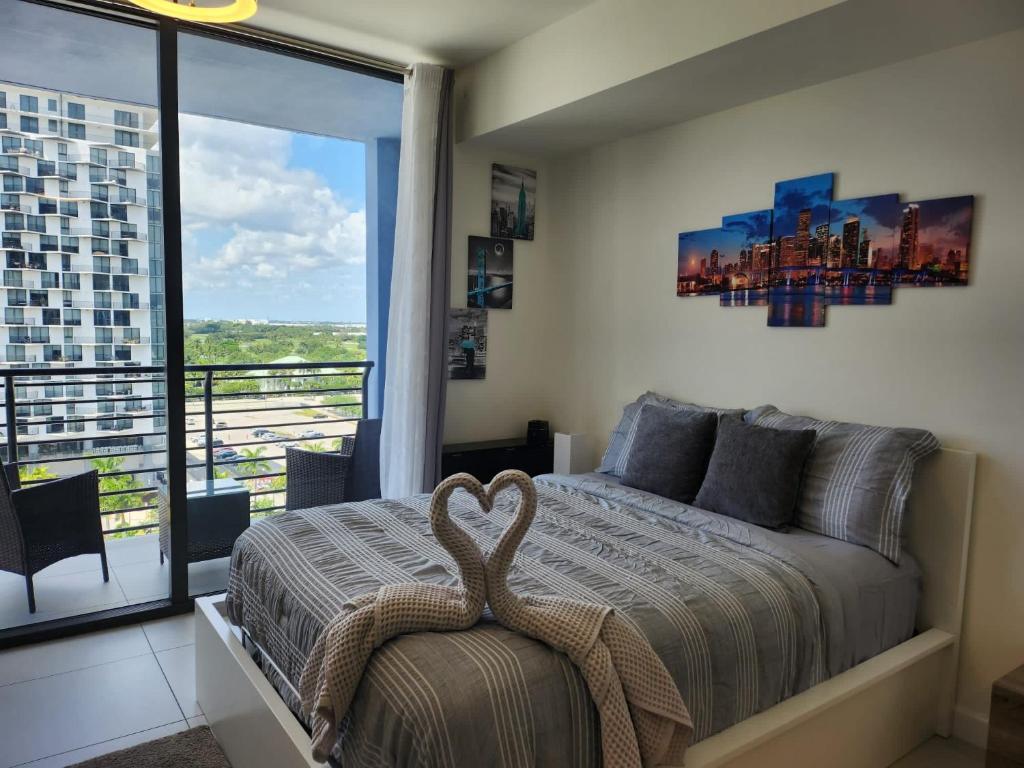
[(737, 622)]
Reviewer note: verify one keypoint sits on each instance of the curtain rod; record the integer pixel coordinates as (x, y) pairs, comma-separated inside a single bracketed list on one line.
[(125, 9)]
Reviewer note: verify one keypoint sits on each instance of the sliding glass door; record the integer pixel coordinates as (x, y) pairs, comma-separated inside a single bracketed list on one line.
[(82, 364), (196, 230), (275, 204)]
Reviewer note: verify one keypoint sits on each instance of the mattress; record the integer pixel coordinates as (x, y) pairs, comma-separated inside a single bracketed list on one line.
[(742, 617)]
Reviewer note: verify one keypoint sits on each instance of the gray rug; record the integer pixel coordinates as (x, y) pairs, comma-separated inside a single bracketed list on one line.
[(195, 748)]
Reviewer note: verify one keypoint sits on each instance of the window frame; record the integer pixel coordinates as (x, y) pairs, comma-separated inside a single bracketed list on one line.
[(166, 189)]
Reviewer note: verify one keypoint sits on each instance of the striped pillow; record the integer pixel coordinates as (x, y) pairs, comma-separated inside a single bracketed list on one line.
[(621, 441), (857, 478)]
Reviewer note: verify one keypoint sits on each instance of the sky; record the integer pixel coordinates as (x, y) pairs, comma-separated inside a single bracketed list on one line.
[(273, 223), (945, 223), (697, 245), (755, 226), (795, 195), (879, 214)]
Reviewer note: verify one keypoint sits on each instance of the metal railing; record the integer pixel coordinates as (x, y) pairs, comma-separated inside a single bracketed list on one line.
[(230, 409)]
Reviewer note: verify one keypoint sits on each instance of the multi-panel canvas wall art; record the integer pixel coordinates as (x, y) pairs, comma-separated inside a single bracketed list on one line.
[(489, 273), (697, 263), (467, 343), (811, 251), (731, 261), (513, 201), (934, 241), (747, 263), (861, 250), (800, 220)]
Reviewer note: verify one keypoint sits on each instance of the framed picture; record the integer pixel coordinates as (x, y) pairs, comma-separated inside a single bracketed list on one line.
[(800, 230), (513, 201), (861, 250), (746, 260), (935, 242), (467, 343), (489, 273)]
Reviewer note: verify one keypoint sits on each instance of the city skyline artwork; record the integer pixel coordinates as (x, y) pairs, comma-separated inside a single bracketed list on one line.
[(810, 251)]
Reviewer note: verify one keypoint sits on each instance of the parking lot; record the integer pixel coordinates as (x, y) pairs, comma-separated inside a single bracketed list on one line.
[(297, 420)]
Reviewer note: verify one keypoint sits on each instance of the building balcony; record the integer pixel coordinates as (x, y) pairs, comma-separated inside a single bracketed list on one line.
[(74, 586), (239, 420), (22, 151)]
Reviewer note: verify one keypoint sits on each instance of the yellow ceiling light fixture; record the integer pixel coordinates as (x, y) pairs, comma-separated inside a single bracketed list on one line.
[(224, 13)]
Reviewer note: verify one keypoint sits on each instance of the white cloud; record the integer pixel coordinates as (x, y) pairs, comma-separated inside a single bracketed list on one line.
[(282, 223)]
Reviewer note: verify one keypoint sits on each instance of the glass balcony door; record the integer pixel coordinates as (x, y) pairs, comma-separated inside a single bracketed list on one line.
[(276, 194), (196, 278), (83, 392)]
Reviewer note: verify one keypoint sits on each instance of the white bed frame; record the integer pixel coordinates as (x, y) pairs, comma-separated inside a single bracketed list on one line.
[(867, 717)]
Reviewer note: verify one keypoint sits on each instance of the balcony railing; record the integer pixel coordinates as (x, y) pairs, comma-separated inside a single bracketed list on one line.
[(239, 419)]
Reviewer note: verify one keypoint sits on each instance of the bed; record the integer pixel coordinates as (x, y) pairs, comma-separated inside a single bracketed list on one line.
[(763, 631)]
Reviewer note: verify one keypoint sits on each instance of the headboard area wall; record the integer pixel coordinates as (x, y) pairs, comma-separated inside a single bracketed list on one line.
[(947, 359)]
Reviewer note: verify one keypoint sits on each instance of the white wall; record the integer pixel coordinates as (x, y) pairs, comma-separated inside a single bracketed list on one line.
[(950, 360), (523, 363), (576, 56)]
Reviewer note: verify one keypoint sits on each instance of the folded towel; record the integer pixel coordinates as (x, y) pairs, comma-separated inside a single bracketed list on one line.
[(643, 719), (339, 656)]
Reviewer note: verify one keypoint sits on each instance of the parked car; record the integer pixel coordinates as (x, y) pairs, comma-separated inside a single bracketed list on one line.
[(260, 432), (225, 453), (221, 425), (311, 434), (201, 442), (271, 436), (320, 415)]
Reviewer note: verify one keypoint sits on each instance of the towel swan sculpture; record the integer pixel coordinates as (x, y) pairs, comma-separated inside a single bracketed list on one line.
[(644, 721), (339, 656)]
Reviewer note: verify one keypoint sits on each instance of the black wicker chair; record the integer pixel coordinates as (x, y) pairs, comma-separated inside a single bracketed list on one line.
[(48, 522), (363, 480), (318, 478)]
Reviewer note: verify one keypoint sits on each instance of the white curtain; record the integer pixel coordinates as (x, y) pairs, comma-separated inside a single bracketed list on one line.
[(414, 390)]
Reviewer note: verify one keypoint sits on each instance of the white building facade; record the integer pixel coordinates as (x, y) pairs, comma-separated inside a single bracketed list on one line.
[(82, 271)]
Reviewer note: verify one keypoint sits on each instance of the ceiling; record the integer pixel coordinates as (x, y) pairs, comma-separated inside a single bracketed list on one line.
[(849, 37), (452, 32)]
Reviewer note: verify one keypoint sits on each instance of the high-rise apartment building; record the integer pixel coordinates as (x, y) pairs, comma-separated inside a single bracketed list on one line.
[(82, 266), (851, 240)]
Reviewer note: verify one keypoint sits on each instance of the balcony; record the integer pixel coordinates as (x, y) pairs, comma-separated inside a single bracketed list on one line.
[(23, 151), (239, 420)]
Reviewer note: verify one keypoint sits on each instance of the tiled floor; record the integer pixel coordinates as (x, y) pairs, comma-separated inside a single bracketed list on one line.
[(68, 700), (943, 753), (76, 585)]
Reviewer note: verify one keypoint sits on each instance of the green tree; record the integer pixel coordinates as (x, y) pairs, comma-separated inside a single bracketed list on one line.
[(39, 472), (121, 498), (256, 464), (316, 447)]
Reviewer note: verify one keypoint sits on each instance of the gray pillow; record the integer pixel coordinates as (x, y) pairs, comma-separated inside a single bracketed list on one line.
[(857, 478), (670, 451), (754, 473), (621, 440)]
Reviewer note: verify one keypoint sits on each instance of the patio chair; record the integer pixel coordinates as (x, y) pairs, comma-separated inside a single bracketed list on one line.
[(319, 478), (48, 522)]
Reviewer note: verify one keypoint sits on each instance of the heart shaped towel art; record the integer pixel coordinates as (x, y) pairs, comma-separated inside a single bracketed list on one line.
[(644, 721)]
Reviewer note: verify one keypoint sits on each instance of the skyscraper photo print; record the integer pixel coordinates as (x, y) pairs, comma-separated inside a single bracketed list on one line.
[(800, 219), (513, 201)]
